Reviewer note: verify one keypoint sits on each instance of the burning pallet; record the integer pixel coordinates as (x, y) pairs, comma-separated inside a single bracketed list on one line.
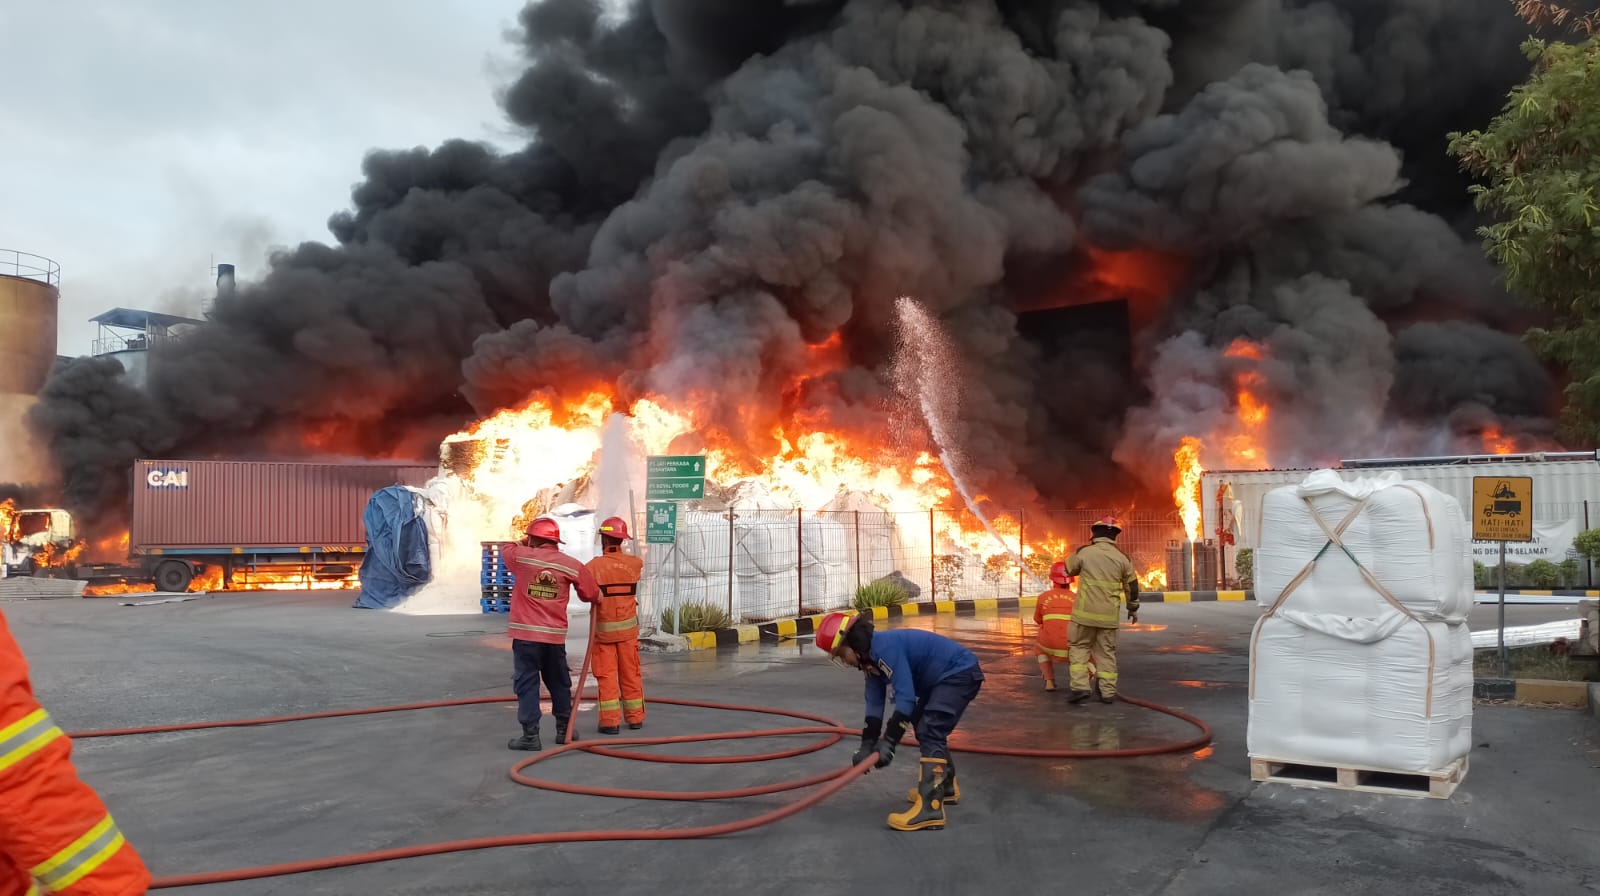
[(1440, 785)]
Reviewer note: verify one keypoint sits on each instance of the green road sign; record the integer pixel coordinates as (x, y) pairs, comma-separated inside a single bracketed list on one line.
[(675, 477), (660, 522)]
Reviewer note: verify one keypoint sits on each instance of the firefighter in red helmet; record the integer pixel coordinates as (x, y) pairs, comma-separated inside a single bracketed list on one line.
[(1053, 614), (544, 577), (1106, 578), (616, 631), (55, 834), (933, 679)]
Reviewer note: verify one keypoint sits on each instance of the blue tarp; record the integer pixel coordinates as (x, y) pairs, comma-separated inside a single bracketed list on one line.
[(397, 562)]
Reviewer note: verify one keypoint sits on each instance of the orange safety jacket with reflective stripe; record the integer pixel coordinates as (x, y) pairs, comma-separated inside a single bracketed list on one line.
[(616, 614), (55, 834), (544, 579), (1053, 613)]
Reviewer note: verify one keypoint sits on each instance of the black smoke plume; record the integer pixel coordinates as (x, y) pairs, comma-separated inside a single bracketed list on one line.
[(708, 188)]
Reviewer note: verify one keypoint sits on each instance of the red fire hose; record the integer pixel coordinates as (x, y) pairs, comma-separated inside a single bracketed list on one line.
[(829, 731)]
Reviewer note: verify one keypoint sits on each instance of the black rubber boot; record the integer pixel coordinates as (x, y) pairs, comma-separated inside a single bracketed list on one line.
[(529, 740), (952, 790), (635, 726), (561, 728), (610, 729), (1078, 697), (926, 812)]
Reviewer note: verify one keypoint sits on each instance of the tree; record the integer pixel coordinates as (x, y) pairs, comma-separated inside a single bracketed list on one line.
[(1539, 160)]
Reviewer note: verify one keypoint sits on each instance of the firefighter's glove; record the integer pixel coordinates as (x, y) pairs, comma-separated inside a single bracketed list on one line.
[(892, 732), (869, 739), (885, 753), (1133, 615)]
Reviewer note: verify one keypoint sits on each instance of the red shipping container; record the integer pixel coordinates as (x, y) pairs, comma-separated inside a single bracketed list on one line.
[(213, 504)]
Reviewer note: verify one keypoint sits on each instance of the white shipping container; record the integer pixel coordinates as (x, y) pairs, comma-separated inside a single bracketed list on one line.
[(1561, 484)]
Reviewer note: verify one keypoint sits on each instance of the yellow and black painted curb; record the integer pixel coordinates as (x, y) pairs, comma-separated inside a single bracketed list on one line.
[(782, 629), (1559, 592)]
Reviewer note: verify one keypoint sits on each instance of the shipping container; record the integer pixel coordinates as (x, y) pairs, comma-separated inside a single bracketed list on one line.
[(1566, 485), (245, 515)]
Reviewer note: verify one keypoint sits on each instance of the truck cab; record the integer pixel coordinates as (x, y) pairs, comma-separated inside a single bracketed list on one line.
[(31, 538)]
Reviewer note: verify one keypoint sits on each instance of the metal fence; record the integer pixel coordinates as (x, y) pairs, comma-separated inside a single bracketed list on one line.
[(760, 565)]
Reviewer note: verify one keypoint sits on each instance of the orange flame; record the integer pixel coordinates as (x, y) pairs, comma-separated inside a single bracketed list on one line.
[(1186, 488), (1495, 442)]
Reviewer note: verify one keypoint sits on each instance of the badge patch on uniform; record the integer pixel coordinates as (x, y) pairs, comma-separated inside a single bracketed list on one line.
[(884, 669), (544, 588)]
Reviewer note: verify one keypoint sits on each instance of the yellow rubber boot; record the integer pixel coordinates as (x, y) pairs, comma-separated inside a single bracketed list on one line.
[(952, 786), (927, 802)]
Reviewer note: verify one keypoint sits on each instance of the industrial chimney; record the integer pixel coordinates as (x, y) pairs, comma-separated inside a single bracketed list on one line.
[(224, 282)]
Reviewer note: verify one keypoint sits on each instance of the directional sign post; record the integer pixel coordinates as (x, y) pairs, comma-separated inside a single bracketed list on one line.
[(670, 478), (1502, 510), (675, 478)]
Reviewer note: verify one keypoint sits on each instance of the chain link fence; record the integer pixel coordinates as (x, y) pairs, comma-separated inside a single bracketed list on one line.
[(760, 565)]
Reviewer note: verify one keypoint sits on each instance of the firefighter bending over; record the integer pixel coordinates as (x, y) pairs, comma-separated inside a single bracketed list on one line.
[(1105, 577), (55, 834), (616, 631), (933, 678)]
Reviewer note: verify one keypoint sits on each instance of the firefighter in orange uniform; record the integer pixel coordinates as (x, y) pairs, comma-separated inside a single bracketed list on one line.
[(55, 834), (1052, 613), (616, 638), (1106, 578)]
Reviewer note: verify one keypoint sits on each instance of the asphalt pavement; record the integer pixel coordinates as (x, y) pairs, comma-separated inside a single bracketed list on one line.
[(1525, 820)]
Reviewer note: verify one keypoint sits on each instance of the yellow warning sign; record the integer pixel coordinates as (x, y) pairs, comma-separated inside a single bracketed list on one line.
[(1502, 508)]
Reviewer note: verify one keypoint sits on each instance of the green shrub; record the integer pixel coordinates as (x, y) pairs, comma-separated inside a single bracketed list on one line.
[(1245, 564), (1587, 545), (1542, 574), (1480, 575), (698, 617), (879, 594)]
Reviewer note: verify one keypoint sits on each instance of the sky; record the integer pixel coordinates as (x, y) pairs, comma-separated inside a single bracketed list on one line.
[(144, 141)]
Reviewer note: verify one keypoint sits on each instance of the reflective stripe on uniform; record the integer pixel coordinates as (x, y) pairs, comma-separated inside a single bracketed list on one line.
[(619, 625), (546, 564), (81, 857), (1078, 667), (25, 737), (610, 704), (1108, 676), (542, 629), (620, 589), (1057, 652), (1106, 620), (633, 704), (1058, 617), (33, 889)]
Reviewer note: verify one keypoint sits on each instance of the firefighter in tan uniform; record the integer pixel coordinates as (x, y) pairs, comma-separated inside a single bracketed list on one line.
[(616, 634), (1105, 578)]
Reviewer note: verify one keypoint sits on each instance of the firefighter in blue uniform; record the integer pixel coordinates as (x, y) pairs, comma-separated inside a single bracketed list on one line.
[(932, 679)]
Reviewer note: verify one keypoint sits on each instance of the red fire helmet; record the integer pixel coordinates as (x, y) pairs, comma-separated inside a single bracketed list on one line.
[(1058, 574), (615, 527), (546, 528), (831, 630), (1108, 522)]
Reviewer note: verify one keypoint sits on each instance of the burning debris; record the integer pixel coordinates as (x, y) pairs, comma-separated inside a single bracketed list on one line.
[(724, 202)]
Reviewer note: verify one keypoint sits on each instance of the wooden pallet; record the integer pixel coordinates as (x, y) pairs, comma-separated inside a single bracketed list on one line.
[(1363, 780)]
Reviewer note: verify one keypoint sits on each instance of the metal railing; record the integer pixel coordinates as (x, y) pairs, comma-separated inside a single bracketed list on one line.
[(29, 266)]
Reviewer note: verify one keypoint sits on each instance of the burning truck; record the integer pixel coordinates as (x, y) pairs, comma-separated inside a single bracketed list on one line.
[(219, 523)]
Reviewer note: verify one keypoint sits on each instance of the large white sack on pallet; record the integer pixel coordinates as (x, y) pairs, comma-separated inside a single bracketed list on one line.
[(825, 540), (827, 586), (767, 596), (765, 546), (1334, 691), (1411, 536), (702, 540)]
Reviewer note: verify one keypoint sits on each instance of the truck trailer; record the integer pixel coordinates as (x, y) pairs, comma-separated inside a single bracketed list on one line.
[(245, 518)]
